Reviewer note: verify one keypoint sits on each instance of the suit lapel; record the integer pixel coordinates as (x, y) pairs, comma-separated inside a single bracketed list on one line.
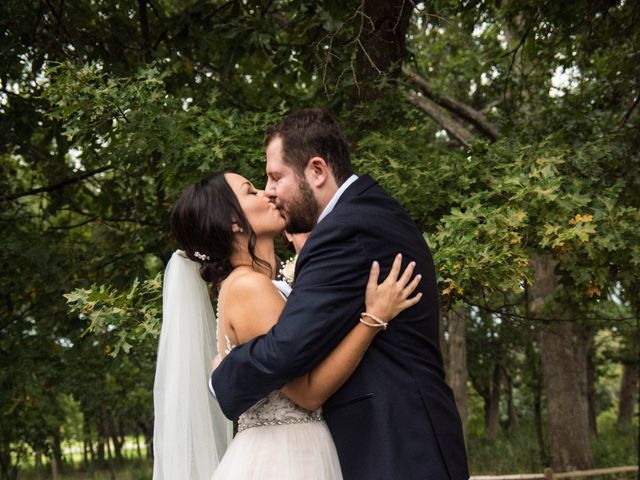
[(363, 183), (360, 185)]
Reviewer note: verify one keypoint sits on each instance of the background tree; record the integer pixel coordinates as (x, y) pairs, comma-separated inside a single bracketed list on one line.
[(508, 130)]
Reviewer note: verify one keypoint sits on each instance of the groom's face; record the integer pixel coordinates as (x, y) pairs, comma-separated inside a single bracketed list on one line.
[(290, 191)]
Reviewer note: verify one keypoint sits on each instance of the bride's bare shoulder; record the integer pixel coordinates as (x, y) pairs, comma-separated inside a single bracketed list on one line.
[(252, 303), (248, 282)]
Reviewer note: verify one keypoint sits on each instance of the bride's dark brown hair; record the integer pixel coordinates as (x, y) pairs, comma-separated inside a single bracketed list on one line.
[(201, 221)]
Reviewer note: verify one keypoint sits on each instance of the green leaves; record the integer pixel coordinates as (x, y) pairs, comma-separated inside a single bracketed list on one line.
[(107, 128), (121, 319), (486, 213)]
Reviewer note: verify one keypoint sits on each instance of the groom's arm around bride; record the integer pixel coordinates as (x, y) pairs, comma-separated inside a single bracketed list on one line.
[(395, 417)]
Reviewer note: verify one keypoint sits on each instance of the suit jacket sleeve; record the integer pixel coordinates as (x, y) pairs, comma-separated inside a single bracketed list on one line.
[(327, 298)]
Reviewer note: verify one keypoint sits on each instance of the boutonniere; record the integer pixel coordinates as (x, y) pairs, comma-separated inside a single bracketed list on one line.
[(288, 269)]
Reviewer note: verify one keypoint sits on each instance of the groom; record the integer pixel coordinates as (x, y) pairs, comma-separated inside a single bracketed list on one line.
[(395, 418)]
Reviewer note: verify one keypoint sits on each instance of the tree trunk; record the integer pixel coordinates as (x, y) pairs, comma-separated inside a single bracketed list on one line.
[(628, 392), (537, 411), (117, 448), (113, 432), (5, 459), (37, 454), (138, 449), (567, 403), (55, 475), (513, 424), (592, 397), (8, 465), (88, 452), (101, 457), (147, 432), (85, 453), (56, 454), (444, 347), (108, 451), (585, 371), (380, 44), (492, 406), (516, 35), (457, 371), (54, 459), (536, 387), (144, 29)]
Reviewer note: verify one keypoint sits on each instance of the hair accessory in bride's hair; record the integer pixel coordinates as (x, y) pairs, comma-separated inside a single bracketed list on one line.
[(201, 256)]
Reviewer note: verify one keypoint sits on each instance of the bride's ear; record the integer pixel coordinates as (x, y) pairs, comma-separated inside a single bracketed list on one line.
[(235, 228)]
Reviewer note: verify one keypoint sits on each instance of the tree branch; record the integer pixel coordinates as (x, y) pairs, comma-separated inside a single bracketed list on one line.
[(155, 10), (625, 119), (55, 186), (528, 318), (71, 227), (470, 114), (520, 45), (106, 220), (494, 103), (58, 14), (144, 29), (442, 118)]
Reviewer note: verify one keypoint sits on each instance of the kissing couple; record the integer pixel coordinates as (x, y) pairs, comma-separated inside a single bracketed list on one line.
[(338, 377)]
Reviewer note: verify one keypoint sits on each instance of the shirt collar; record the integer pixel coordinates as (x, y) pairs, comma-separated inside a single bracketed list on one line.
[(336, 196)]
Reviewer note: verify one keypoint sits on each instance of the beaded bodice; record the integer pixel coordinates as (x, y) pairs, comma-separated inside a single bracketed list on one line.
[(275, 408)]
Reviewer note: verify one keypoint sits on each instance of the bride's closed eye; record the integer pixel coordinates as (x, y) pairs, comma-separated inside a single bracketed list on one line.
[(251, 190)]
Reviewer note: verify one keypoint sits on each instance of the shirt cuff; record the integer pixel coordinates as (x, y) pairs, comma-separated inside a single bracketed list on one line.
[(213, 392)]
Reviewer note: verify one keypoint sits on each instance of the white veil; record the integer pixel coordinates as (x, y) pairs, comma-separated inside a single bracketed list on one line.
[(190, 432)]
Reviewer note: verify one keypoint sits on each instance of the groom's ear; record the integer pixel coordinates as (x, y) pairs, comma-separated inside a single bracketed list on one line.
[(318, 172)]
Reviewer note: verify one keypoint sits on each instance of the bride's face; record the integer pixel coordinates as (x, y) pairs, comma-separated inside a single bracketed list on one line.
[(264, 217)]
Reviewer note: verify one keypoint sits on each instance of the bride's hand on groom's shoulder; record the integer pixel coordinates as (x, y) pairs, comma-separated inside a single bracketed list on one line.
[(387, 299)]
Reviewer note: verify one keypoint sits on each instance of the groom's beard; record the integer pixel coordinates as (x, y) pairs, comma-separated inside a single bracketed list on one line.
[(303, 212)]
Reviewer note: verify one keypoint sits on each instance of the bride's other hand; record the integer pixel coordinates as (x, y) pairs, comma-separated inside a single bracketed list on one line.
[(387, 299)]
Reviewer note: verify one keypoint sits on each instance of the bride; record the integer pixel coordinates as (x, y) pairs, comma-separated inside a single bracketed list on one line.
[(226, 228)]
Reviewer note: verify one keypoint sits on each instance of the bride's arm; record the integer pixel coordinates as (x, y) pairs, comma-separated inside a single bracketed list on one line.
[(249, 319), (384, 301)]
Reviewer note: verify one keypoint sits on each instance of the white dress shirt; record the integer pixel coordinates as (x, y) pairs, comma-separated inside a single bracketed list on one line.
[(336, 196)]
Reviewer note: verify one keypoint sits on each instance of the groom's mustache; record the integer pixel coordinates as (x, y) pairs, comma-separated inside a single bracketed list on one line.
[(278, 205)]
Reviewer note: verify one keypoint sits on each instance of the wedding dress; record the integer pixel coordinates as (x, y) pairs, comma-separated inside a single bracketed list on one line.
[(277, 439)]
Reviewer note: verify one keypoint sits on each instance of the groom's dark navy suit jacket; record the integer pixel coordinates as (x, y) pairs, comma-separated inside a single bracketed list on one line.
[(395, 418)]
